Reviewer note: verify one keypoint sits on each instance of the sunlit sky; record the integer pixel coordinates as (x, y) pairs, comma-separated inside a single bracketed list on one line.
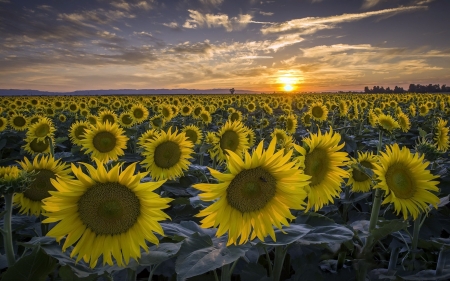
[(267, 46)]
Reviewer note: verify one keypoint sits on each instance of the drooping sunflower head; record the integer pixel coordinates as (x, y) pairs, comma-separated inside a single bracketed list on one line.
[(232, 137), (45, 168), (167, 155), (102, 208), (157, 122), (427, 148), (265, 185), (387, 123), (41, 129), (35, 146), (77, 131), (3, 123), (18, 122), (291, 123), (193, 134), (358, 179), (320, 158), (408, 185), (139, 113), (403, 122), (105, 141), (441, 135)]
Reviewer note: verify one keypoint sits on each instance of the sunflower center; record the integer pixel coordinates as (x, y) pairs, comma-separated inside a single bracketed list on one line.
[(166, 112), (79, 132), (127, 120), (138, 113), (316, 165), (109, 208), (167, 154), (73, 107), (360, 176), (290, 124), (19, 121), (317, 111), (108, 118), (191, 135), (1, 123), (39, 188), (229, 140), (400, 181), (251, 190), (234, 116), (39, 146), (104, 142), (42, 130)]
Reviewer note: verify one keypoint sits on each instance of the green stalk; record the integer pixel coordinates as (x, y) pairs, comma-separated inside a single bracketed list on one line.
[(440, 262), (152, 271), (280, 254), (415, 238), (131, 274), (7, 239), (269, 262), (341, 259), (52, 148), (393, 259), (226, 274)]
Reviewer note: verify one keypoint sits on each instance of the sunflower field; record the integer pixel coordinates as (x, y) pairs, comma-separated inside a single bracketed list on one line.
[(225, 187)]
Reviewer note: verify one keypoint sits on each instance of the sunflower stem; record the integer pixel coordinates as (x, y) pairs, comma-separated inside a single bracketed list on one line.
[(152, 271), (7, 239), (440, 262), (280, 254), (226, 273), (415, 238), (216, 278), (393, 259), (269, 262), (131, 274), (52, 148)]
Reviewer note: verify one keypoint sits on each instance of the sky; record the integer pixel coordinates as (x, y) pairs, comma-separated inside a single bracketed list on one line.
[(258, 45)]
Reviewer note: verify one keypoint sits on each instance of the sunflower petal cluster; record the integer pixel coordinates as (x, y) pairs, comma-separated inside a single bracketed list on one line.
[(320, 158), (105, 213), (408, 185), (255, 194)]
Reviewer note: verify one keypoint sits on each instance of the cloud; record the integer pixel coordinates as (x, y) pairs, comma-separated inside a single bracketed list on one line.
[(311, 25), (214, 3), (197, 19), (265, 13), (172, 25), (98, 16), (255, 57), (367, 4), (135, 4)]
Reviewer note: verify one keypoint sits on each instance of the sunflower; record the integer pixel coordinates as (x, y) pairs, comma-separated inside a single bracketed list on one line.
[(251, 136), (166, 112), (157, 122), (441, 138), (18, 122), (41, 129), (107, 213), (232, 136), (235, 116), (407, 183), (197, 110), (193, 134), (106, 141), (139, 113), (92, 119), (343, 108), (206, 117), (30, 201), (107, 116), (321, 160), (3, 123), (251, 107), (423, 110), (35, 146), (403, 122), (167, 156), (73, 107), (279, 134), (267, 109), (186, 110), (373, 118), (318, 111), (62, 118), (359, 181), (254, 196), (148, 135), (265, 123), (126, 119), (77, 131), (387, 123), (291, 124)]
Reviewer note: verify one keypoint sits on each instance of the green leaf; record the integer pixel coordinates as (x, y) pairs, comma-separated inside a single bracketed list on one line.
[(428, 275), (199, 254), (289, 234), (66, 274), (368, 172), (384, 228), (335, 233), (2, 143), (159, 254), (33, 267)]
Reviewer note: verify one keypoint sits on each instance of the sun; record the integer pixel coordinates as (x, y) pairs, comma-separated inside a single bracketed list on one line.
[(288, 87)]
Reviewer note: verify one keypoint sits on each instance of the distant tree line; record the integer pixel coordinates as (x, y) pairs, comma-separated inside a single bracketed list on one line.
[(413, 88)]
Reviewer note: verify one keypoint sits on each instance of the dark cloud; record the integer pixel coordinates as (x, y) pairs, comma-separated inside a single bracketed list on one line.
[(196, 48)]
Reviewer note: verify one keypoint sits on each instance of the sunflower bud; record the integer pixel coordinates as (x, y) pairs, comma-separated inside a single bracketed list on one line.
[(14, 180)]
